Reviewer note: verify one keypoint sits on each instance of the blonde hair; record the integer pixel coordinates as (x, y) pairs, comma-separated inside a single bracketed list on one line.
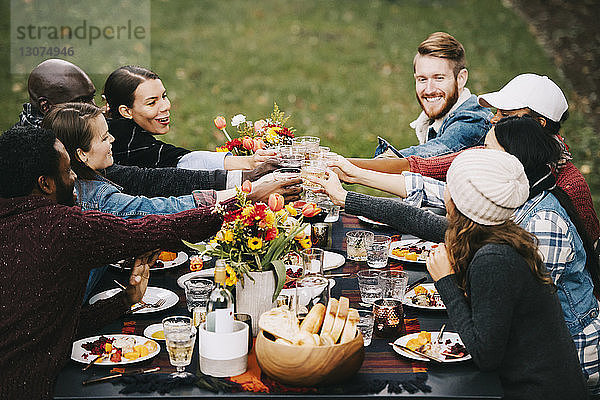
[(443, 45)]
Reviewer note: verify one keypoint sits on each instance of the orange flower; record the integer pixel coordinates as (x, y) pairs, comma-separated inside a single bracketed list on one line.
[(248, 143), (220, 122), (310, 210), (275, 202), (246, 186), (258, 144)]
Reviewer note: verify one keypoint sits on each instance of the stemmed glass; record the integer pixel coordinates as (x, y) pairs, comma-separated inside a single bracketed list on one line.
[(180, 336)]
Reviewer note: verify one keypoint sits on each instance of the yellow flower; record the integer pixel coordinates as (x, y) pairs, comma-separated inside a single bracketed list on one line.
[(231, 276), (269, 218), (247, 211), (291, 210), (227, 236), (282, 215), (305, 242), (222, 149), (254, 243)]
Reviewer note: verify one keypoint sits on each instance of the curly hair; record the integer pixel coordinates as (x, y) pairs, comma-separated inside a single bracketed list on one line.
[(26, 153)]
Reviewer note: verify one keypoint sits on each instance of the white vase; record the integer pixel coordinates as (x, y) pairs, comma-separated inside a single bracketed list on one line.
[(255, 297)]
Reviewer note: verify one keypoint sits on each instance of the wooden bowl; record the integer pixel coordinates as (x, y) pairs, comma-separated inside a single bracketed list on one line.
[(309, 365)]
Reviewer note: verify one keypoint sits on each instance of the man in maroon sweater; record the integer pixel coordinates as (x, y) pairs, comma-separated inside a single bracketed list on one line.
[(48, 248)]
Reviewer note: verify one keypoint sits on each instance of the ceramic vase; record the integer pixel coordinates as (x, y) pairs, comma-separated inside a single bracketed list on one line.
[(255, 297)]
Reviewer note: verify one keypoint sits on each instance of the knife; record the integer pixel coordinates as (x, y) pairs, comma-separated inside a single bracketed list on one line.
[(418, 353), (340, 275), (109, 377), (93, 361)]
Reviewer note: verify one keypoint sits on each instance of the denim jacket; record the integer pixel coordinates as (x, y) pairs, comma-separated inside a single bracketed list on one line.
[(575, 287), (462, 128), (106, 197)]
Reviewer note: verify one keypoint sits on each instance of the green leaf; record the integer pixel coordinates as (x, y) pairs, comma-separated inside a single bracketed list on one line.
[(199, 247), (279, 268)]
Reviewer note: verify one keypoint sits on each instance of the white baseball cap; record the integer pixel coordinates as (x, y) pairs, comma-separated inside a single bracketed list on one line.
[(535, 92)]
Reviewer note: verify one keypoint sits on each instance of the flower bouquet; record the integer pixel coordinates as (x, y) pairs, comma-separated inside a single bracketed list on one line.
[(261, 134), (256, 236)]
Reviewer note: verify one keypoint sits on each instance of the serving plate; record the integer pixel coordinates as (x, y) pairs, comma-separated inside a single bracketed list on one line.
[(82, 355), (411, 293), (181, 258), (406, 243)]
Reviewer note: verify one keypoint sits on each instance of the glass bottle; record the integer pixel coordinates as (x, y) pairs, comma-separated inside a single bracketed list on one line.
[(219, 310)]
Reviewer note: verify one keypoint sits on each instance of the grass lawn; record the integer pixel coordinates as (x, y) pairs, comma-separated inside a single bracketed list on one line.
[(342, 69)]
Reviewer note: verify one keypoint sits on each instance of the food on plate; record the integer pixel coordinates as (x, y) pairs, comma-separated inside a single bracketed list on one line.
[(323, 326), (447, 349), (414, 252), (167, 256), (291, 276), (426, 298), (115, 349), (160, 335)]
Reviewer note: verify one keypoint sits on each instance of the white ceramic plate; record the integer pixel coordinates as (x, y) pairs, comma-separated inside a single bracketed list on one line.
[(331, 261), (79, 354), (371, 221), (152, 295), (453, 336), (411, 293), (409, 241), (152, 329), (181, 258)]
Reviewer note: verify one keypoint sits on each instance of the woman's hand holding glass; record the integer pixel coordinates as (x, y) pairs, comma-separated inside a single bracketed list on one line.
[(332, 187)]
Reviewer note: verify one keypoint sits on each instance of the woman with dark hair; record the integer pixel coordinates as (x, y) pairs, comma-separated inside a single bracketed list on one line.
[(565, 247), (139, 109), (494, 284)]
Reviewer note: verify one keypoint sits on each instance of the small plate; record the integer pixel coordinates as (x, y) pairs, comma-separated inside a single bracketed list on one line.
[(181, 258), (411, 293), (152, 295), (153, 329), (371, 221), (79, 354), (453, 336)]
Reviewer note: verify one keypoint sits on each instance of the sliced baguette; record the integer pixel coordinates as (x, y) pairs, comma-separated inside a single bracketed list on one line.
[(313, 321), (340, 318), (330, 314), (349, 332)]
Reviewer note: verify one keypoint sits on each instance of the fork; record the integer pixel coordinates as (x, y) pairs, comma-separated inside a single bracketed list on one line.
[(158, 304)]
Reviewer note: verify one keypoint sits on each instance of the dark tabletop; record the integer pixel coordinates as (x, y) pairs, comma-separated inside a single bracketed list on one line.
[(448, 381)]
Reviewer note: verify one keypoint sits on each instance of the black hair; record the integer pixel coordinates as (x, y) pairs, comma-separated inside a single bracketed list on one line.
[(551, 127), (120, 87), (26, 153), (538, 150)]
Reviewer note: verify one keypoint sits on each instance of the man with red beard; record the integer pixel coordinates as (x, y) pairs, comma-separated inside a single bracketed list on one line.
[(451, 119)]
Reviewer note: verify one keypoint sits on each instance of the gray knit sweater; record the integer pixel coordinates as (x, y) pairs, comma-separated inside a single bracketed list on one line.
[(512, 323)]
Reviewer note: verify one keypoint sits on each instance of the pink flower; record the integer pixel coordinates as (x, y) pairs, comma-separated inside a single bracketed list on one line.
[(258, 125), (248, 143), (220, 122), (310, 210), (258, 144), (246, 186), (275, 202)]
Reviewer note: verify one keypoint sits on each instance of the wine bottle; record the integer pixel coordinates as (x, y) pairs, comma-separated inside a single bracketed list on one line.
[(219, 310)]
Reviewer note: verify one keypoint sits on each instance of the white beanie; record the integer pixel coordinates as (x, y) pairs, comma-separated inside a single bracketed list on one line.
[(532, 91), (487, 185)]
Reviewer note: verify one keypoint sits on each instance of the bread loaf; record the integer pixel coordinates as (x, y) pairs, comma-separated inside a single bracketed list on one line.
[(330, 314), (349, 332), (314, 319), (340, 318)]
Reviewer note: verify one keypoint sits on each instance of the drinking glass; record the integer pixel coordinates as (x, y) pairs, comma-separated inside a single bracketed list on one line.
[(293, 160), (180, 336), (305, 145), (310, 291), (320, 233), (315, 169), (368, 283), (197, 291), (312, 261), (365, 325), (393, 284), (283, 174), (378, 251), (356, 244)]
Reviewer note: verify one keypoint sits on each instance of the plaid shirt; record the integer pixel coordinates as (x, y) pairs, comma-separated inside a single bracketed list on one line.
[(556, 249)]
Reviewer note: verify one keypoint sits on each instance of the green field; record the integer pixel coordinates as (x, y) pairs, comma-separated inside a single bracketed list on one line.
[(342, 69)]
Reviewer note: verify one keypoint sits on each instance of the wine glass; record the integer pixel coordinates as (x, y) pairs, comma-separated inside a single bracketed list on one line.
[(180, 336)]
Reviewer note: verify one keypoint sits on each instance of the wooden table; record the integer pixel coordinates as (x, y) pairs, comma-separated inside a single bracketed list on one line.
[(447, 381)]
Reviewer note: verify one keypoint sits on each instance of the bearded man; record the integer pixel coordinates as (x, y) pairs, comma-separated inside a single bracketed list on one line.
[(451, 119)]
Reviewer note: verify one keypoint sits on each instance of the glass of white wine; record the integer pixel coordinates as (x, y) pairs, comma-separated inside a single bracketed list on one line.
[(180, 335)]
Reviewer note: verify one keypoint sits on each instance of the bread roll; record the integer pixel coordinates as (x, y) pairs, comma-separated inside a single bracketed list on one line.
[(340, 318), (330, 314), (279, 322), (314, 319), (304, 338), (326, 339), (349, 332)]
